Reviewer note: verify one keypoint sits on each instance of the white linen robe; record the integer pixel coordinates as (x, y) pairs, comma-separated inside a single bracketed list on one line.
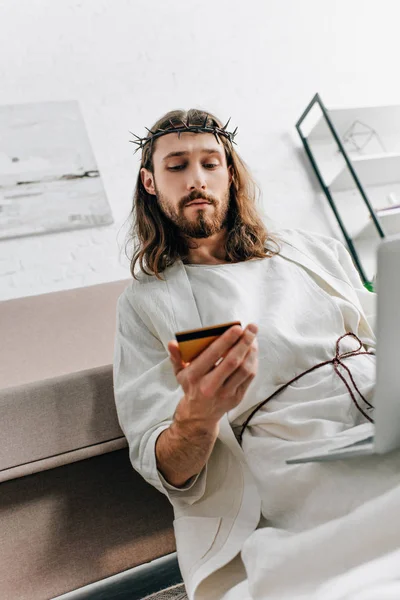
[(219, 510)]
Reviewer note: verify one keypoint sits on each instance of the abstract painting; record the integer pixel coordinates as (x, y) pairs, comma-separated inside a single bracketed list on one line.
[(49, 180)]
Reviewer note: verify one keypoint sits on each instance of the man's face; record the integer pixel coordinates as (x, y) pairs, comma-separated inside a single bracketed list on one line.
[(191, 181)]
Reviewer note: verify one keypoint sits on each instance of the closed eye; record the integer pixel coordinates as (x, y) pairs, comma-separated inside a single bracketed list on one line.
[(180, 167), (177, 168)]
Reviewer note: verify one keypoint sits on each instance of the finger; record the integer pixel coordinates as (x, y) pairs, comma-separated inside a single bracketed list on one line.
[(248, 369), (174, 351), (232, 361), (203, 363), (243, 387), (175, 357)]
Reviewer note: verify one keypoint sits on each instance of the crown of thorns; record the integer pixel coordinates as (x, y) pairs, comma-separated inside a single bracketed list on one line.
[(185, 127)]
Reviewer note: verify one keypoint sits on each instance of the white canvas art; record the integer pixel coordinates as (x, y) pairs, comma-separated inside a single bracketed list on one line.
[(49, 180)]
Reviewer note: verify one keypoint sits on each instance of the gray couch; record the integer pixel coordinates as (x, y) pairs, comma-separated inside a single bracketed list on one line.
[(76, 520)]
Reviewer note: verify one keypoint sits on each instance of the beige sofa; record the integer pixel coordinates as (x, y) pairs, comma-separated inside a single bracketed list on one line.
[(72, 509)]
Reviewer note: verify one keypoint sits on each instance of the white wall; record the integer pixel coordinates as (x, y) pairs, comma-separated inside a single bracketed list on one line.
[(129, 61)]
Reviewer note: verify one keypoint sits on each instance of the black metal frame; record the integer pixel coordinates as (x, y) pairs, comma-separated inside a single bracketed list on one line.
[(317, 100)]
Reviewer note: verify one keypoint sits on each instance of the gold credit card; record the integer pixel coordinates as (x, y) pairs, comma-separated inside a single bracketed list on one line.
[(193, 341)]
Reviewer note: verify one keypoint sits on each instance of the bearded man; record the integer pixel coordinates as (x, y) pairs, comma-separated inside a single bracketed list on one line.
[(203, 432)]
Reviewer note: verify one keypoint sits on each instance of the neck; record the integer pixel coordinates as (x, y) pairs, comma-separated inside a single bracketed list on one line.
[(207, 251)]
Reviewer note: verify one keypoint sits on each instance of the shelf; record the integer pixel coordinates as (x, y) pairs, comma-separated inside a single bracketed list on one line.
[(384, 119), (370, 142), (376, 169), (389, 220)]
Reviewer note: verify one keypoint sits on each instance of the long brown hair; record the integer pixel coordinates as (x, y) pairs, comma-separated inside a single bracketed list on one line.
[(158, 242)]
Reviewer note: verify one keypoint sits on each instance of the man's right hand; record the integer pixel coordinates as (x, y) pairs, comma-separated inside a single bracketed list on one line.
[(211, 390)]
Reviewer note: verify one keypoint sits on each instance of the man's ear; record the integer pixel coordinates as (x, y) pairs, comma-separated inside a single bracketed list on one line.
[(148, 181)]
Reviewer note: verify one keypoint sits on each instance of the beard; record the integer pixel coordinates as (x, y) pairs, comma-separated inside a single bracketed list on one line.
[(204, 222)]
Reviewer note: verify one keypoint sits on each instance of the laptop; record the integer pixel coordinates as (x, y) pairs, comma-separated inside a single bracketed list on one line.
[(384, 435)]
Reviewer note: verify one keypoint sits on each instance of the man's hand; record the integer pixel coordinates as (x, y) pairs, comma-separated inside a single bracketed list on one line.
[(213, 383), (211, 390)]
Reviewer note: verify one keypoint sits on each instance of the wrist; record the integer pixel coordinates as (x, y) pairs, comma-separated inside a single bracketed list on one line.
[(187, 425)]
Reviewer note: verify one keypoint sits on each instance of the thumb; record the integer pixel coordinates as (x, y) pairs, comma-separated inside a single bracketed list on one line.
[(175, 356)]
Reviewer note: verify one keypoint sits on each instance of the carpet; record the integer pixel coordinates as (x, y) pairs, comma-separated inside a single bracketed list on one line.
[(175, 592)]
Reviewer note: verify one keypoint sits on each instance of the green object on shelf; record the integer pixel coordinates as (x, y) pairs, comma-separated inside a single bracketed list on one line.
[(369, 286)]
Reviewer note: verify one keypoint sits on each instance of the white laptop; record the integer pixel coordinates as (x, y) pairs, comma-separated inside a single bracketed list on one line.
[(386, 429)]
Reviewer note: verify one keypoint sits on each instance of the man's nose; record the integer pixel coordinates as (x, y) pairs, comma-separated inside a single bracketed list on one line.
[(196, 179)]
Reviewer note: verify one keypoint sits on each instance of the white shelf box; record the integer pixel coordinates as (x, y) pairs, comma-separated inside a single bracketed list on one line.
[(371, 170), (384, 120), (389, 221), (356, 216)]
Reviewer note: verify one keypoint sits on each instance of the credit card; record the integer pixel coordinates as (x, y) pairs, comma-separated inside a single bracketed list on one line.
[(193, 341)]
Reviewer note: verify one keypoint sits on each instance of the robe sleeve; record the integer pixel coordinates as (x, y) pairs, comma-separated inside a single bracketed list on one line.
[(366, 298), (146, 394)]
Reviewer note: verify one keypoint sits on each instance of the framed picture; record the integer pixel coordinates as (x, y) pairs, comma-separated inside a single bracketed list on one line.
[(49, 180)]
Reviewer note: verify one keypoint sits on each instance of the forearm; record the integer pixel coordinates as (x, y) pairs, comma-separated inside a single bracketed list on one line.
[(183, 449)]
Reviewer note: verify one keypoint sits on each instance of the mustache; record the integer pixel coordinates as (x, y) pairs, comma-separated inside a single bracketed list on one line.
[(196, 195)]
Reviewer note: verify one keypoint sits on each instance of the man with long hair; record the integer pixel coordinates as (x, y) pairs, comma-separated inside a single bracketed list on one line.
[(213, 434)]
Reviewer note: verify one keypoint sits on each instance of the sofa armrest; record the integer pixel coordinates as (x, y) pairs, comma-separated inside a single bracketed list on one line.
[(48, 423)]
